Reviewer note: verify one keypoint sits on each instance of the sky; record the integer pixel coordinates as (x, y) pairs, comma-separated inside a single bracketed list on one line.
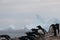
[(16, 14)]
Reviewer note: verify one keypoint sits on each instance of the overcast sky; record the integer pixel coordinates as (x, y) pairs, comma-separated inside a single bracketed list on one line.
[(19, 13)]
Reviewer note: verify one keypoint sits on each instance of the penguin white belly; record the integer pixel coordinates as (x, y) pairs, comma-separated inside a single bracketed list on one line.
[(40, 31)]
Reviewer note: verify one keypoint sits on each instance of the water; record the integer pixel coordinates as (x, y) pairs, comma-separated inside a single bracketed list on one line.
[(13, 34)]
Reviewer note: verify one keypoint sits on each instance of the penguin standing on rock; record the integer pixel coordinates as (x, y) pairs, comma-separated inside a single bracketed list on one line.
[(55, 28), (41, 30)]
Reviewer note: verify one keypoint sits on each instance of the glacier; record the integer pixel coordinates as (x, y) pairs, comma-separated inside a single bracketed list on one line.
[(44, 24)]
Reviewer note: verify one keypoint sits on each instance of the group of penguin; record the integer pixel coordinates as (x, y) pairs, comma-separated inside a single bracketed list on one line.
[(55, 28), (5, 37), (40, 32), (32, 35), (35, 33)]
